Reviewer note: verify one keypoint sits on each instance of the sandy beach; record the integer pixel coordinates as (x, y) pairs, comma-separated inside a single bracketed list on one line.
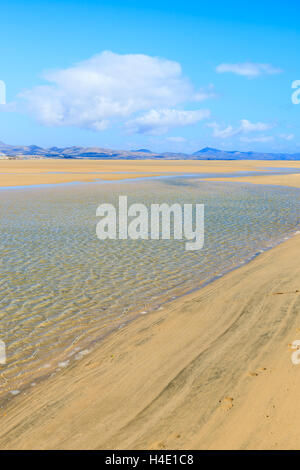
[(150, 228), (211, 370), (50, 171)]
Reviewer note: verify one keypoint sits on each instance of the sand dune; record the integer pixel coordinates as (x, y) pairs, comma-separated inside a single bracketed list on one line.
[(211, 370)]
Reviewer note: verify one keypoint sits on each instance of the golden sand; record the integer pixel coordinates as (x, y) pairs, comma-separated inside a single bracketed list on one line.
[(211, 370), (27, 172)]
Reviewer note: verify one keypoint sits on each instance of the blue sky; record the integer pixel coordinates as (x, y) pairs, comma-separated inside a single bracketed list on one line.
[(165, 75)]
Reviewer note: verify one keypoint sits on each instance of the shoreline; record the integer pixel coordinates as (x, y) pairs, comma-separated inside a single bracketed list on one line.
[(94, 339), (22, 173), (30, 419), (95, 342), (57, 402)]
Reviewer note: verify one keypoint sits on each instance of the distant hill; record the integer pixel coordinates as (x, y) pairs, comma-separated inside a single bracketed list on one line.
[(207, 153), (142, 151), (215, 154)]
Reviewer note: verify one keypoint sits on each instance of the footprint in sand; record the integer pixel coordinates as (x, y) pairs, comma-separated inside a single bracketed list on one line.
[(256, 373), (227, 403)]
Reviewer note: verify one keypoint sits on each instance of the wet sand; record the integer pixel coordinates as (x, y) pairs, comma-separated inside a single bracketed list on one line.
[(211, 370), (51, 171), (277, 180)]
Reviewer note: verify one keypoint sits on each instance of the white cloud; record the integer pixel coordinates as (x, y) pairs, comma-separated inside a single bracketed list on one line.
[(261, 139), (245, 127), (247, 132), (287, 136), (205, 93), (109, 87), (224, 133), (159, 121), (248, 69)]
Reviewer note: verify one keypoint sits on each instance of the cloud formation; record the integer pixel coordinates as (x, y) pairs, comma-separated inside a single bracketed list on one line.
[(261, 139), (248, 69), (159, 121), (245, 127), (287, 136), (112, 87)]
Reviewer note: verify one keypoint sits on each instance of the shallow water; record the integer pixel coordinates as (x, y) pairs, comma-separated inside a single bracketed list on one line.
[(62, 289)]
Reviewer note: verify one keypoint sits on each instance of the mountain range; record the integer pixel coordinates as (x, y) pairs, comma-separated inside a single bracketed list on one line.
[(207, 153)]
